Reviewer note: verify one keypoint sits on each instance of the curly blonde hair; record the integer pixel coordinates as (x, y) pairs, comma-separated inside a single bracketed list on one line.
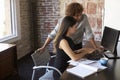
[(73, 9)]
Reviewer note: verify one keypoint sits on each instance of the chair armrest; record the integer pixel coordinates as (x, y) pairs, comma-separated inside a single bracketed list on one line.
[(53, 56), (50, 67)]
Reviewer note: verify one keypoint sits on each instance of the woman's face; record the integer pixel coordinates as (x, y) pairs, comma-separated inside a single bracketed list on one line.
[(73, 29), (78, 16)]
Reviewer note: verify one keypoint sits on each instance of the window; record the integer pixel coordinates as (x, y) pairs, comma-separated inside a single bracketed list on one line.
[(9, 20)]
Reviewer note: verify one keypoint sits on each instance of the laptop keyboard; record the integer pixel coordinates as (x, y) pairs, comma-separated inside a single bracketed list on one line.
[(96, 55)]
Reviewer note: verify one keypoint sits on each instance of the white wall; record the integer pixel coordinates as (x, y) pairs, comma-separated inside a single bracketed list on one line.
[(112, 14)]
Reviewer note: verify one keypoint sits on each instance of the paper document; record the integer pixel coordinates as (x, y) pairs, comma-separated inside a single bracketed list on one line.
[(98, 65), (83, 61), (84, 70)]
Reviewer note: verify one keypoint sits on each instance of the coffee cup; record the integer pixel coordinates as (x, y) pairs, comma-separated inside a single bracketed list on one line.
[(104, 61)]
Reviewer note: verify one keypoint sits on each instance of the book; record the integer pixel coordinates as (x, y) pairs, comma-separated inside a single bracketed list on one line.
[(84, 70)]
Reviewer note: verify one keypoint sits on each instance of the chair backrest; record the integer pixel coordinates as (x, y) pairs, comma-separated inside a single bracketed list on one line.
[(40, 58)]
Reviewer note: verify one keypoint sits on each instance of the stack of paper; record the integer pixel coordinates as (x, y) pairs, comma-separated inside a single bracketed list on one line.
[(83, 61), (84, 69)]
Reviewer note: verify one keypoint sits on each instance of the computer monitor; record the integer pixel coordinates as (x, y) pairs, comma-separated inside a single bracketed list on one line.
[(109, 42)]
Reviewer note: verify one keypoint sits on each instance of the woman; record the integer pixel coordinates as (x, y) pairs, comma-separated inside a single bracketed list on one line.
[(64, 45), (65, 48)]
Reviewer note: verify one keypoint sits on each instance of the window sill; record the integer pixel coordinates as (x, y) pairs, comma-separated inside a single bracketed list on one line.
[(10, 39)]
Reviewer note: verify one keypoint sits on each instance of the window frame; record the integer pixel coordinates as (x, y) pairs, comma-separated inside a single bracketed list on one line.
[(15, 23)]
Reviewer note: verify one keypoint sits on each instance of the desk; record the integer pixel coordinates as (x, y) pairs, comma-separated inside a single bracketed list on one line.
[(8, 62), (111, 73)]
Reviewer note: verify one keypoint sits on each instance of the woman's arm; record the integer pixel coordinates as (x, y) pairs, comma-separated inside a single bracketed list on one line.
[(66, 48), (48, 40)]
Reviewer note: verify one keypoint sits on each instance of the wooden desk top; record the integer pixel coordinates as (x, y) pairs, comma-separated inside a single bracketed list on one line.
[(111, 73)]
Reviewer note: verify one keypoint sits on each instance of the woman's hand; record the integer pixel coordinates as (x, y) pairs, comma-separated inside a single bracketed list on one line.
[(41, 50), (89, 50), (100, 49)]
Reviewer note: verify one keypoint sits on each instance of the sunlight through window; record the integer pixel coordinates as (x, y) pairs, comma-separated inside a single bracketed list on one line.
[(8, 20)]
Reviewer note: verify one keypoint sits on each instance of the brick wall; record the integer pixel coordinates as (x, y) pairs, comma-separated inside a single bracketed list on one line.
[(46, 13)]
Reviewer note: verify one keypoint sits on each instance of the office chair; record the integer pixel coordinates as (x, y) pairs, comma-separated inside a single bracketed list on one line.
[(42, 61)]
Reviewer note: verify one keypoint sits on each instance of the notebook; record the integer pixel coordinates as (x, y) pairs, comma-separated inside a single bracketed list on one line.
[(84, 70)]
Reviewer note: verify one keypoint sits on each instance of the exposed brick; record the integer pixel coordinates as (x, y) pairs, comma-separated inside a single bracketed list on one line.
[(92, 21), (91, 8), (47, 12), (100, 7), (99, 23)]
